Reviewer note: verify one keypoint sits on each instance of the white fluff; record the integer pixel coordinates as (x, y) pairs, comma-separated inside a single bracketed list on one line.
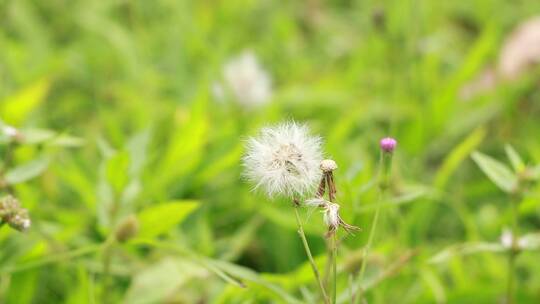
[(284, 160), (246, 80), (331, 216)]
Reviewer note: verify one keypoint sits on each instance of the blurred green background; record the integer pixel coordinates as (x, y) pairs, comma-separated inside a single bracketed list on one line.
[(124, 109)]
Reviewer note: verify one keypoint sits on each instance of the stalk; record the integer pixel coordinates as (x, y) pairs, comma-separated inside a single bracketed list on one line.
[(309, 255), (334, 267), (385, 165), (107, 256)]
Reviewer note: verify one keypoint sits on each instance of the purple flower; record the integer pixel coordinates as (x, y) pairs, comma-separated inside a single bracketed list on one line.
[(388, 144)]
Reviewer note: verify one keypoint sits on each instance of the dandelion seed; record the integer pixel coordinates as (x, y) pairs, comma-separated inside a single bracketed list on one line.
[(284, 160), (246, 80)]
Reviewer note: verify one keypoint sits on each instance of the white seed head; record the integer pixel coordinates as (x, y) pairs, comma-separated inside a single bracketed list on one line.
[(507, 239), (328, 165), (10, 131), (246, 79), (284, 160)]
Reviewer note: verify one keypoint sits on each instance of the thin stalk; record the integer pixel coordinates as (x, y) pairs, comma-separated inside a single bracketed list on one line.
[(107, 256), (309, 255), (334, 266), (512, 253), (510, 282), (385, 165)]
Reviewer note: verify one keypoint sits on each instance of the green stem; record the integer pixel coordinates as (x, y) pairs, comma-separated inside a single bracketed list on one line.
[(309, 255), (107, 256), (385, 166), (510, 282), (513, 252), (334, 266)]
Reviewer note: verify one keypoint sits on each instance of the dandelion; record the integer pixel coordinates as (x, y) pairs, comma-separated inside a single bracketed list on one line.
[(284, 160), (246, 80)]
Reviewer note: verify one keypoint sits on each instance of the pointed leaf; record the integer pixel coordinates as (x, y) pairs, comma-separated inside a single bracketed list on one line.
[(161, 218), (514, 158), (496, 171), (26, 171)]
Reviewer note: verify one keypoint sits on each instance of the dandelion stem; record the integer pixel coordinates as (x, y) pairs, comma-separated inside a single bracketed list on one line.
[(309, 255), (334, 266)]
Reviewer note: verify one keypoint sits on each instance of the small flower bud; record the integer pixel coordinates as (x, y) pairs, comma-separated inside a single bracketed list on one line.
[(127, 229), (328, 165), (13, 214), (388, 144), (12, 133)]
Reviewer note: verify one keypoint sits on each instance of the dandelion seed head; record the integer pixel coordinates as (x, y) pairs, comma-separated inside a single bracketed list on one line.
[(284, 160), (247, 80), (507, 239)]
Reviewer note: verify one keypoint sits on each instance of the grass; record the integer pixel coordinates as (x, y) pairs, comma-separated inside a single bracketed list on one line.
[(124, 90)]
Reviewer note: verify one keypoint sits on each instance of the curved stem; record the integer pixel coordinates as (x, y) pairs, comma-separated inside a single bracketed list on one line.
[(309, 255)]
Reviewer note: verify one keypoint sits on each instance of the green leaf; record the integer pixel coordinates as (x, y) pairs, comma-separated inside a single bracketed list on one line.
[(26, 171), (457, 155), (159, 281), (465, 249), (16, 108), (496, 171), (514, 158), (161, 218), (117, 171)]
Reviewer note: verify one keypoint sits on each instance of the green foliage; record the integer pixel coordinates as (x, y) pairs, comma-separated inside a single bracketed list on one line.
[(116, 112)]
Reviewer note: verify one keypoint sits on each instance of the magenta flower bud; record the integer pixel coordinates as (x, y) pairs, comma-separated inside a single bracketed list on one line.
[(388, 144)]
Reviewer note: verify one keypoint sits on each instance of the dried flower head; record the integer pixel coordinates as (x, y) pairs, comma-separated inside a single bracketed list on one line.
[(284, 160), (13, 214), (388, 144), (332, 219), (328, 165), (246, 80)]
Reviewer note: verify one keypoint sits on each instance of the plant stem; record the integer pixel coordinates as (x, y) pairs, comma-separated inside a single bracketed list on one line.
[(510, 283), (334, 266), (512, 253), (309, 255), (107, 255), (385, 165)]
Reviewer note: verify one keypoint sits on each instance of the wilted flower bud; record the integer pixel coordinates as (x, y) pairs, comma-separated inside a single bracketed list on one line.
[(388, 144), (127, 229), (328, 165), (12, 133), (13, 214)]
